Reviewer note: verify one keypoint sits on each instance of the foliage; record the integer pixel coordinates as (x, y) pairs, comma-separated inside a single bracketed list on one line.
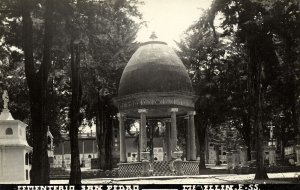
[(247, 84)]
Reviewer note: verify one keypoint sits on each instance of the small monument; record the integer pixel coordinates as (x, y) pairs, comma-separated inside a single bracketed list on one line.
[(229, 161), (272, 148), (15, 152), (243, 156), (50, 147)]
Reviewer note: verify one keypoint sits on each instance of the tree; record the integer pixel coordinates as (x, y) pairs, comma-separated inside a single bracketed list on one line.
[(37, 81), (258, 21), (75, 115), (203, 56), (14, 78), (112, 27)]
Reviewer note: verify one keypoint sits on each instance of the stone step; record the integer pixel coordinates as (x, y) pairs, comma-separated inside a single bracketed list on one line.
[(58, 173)]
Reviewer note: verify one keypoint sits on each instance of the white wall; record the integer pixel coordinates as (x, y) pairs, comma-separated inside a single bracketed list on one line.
[(13, 165)]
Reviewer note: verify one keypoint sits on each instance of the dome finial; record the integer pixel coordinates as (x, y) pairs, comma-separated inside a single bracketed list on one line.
[(153, 36)]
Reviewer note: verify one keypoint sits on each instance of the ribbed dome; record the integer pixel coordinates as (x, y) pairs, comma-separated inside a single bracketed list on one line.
[(154, 67)]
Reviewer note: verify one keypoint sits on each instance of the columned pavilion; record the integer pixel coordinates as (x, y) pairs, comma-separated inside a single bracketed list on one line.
[(155, 85)]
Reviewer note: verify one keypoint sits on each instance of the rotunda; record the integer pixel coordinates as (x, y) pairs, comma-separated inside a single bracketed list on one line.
[(155, 85)]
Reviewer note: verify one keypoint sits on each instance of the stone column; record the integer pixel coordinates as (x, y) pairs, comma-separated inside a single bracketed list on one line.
[(168, 141), (122, 142), (188, 139), (243, 156), (272, 155), (173, 130), (192, 135), (143, 135)]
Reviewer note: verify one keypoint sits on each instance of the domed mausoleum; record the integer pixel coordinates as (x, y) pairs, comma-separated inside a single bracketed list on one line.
[(155, 85)]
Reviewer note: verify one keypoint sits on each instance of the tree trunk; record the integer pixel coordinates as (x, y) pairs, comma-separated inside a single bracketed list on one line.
[(105, 135), (37, 83), (201, 128), (108, 143), (75, 175), (257, 74), (98, 136), (282, 156), (246, 133), (101, 134), (282, 143)]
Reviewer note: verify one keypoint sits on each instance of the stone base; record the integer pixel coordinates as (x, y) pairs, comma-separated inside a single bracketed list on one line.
[(94, 163), (178, 166), (5, 115), (82, 163), (243, 170), (146, 168), (59, 173), (233, 170), (51, 160), (269, 169)]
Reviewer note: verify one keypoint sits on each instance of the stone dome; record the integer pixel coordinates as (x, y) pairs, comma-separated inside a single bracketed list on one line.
[(154, 67), (155, 79)]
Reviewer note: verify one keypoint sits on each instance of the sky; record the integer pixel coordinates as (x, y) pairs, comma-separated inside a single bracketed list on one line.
[(169, 18)]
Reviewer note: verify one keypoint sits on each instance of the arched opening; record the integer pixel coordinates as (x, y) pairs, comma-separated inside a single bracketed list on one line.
[(27, 175), (30, 158), (9, 131), (26, 158)]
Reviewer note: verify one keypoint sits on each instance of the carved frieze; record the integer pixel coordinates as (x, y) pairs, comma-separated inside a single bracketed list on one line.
[(150, 101)]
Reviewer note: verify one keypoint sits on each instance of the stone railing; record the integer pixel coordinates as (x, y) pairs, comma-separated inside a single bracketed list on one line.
[(134, 169), (190, 167), (177, 167)]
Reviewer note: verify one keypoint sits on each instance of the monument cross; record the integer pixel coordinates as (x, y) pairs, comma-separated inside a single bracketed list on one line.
[(271, 131)]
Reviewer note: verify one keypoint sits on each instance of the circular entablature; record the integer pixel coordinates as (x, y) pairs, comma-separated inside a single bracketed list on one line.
[(158, 105)]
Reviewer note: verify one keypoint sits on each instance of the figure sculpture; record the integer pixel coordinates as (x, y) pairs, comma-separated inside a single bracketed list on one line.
[(5, 99)]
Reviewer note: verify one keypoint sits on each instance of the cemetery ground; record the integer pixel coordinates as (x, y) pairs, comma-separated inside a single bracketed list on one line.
[(217, 175)]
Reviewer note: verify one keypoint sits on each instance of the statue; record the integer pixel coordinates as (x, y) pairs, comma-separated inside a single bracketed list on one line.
[(5, 99)]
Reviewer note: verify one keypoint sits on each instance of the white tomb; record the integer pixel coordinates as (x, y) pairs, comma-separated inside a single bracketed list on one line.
[(50, 147), (14, 150)]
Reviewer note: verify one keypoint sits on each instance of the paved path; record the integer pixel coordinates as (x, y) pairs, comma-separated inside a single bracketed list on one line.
[(275, 178)]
